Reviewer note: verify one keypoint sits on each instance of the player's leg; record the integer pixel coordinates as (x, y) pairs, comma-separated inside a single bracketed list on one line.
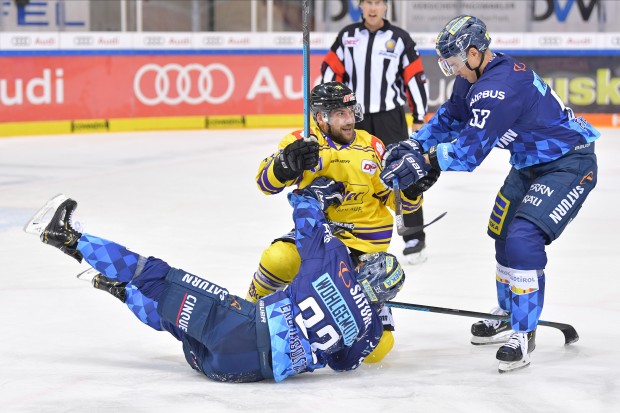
[(504, 210), (278, 266)]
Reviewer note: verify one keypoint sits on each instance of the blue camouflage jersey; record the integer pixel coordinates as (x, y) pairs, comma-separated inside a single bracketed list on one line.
[(323, 317), (508, 107)]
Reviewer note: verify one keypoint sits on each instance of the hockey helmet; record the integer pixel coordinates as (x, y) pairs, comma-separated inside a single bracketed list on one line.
[(326, 97), (455, 40), (380, 276)]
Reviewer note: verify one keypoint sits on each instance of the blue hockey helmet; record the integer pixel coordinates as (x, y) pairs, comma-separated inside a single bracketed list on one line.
[(455, 40), (380, 276)]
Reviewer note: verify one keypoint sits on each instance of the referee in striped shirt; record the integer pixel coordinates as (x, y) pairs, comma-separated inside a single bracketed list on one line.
[(380, 63)]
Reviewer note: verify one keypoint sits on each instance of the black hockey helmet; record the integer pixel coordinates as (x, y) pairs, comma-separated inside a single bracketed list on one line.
[(460, 34), (380, 276), (334, 95)]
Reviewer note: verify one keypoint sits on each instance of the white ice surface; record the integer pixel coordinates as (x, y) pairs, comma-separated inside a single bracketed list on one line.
[(189, 197)]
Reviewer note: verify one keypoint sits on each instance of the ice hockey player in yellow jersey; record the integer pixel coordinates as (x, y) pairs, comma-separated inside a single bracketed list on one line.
[(338, 151)]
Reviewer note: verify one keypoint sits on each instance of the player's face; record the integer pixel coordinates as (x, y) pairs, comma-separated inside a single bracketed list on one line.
[(373, 12), (342, 123)]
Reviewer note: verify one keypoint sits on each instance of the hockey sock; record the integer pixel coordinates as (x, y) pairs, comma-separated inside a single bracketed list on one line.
[(143, 307), (109, 258), (528, 295), (502, 284)]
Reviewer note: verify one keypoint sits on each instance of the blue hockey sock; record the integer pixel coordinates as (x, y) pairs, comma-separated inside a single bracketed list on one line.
[(143, 307), (527, 302), (502, 284), (109, 258)]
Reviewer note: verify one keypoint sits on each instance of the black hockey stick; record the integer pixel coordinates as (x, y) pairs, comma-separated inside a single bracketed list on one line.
[(400, 223), (570, 334)]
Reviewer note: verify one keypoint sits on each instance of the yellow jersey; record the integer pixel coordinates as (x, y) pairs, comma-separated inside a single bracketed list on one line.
[(357, 165)]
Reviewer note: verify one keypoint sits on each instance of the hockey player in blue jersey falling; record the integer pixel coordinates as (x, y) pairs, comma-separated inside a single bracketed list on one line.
[(327, 316), (499, 102)]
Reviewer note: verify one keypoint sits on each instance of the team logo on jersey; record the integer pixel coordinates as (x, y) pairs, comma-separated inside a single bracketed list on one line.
[(519, 67), (341, 271), (390, 45), (587, 178), (369, 167)]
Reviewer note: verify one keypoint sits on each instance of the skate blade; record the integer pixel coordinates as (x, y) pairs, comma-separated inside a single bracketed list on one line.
[(88, 275), (43, 216), (496, 339), (416, 258), (506, 366)]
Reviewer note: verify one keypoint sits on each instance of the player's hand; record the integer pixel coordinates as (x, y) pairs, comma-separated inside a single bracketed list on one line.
[(423, 184), (301, 155), (397, 150), (325, 190), (409, 169)]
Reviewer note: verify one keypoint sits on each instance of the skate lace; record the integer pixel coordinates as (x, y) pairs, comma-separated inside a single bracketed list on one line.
[(494, 323), (515, 341)]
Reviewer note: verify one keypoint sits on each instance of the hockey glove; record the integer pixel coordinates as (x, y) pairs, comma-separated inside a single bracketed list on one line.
[(409, 169), (397, 150), (326, 191), (423, 184), (296, 157)]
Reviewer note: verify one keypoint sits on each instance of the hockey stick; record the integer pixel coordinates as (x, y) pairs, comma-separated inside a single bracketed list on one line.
[(400, 223), (306, 64), (570, 334)]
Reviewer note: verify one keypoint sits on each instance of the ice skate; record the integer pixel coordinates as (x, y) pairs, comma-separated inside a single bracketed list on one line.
[(491, 331), (415, 252), (515, 354), (103, 283), (57, 229)]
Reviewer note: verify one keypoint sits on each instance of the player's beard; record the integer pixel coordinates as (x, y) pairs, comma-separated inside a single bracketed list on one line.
[(344, 137)]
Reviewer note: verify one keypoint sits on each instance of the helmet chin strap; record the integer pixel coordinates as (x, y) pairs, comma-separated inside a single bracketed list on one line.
[(477, 69)]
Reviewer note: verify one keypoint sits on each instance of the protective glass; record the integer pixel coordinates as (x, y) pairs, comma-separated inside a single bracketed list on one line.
[(453, 64), (344, 113)]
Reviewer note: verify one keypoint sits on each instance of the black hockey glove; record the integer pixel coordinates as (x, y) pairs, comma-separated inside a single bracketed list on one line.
[(298, 156), (325, 190), (423, 184)]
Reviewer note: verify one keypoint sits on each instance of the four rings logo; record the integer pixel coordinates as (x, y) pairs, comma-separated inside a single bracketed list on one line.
[(154, 41), (550, 41), (173, 84), (20, 41), (83, 41)]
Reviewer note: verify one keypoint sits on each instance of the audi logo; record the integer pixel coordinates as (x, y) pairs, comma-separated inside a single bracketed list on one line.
[(550, 41), (20, 41), (212, 41), (183, 86), (284, 40), (154, 41), (83, 41)]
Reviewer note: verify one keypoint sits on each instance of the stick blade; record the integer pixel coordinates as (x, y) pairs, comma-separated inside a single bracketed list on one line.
[(570, 335)]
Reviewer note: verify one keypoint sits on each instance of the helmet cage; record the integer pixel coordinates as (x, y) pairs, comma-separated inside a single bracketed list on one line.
[(356, 110)]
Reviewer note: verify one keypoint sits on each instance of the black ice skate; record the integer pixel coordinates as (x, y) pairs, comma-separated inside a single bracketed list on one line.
[(58, 231), (515, 354), (491, 331), (103, 283)]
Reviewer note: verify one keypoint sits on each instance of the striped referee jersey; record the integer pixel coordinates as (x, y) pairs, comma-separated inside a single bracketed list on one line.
[(383, 68)]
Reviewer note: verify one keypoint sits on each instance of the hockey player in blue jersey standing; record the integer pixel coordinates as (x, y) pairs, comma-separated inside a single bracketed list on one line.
[(328, 315), (499, 102)]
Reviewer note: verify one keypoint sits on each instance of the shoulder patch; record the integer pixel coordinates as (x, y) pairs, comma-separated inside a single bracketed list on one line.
[(378, 146), (298, 134)]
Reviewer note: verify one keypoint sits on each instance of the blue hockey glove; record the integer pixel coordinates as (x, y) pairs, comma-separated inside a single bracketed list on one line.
[(325, 190), (409, 169), (397, 150)]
